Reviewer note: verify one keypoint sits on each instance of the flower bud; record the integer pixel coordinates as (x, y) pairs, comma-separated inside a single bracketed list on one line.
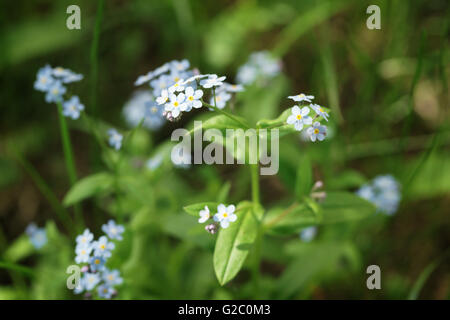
[(211, 228)]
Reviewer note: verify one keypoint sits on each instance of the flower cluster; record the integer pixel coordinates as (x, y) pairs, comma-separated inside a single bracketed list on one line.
[(300, 117), (93, 255), (143, 107), (224, 215), (38, 236), (383, 192), (260, 65), (179, 89), (51, 81)]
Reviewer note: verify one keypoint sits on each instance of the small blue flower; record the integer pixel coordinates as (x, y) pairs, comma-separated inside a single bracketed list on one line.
[(90, 280), (317, 131), (38, 238), (44, 79), (66, 75), (102, 247), (308, 234), (105, 291), (383, 192), (85, 238), (212, 81), (180, 66), (112, 230), (299, 117), (225, 215), (154, 118), (97, 263), (73, 107), (112, 277), (83, 252), (55, 92), (319, 111), (221, 99), (115, 139), (301, 97)]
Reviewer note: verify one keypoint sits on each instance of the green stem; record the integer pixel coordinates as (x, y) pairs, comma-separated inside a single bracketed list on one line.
[(94, 56), (255, 183), (69, 159), (40, 183)]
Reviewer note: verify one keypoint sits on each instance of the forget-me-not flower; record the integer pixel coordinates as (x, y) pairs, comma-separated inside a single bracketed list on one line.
[(204, 215), (113, 230), (38, 236), (44, 79), (301, 97), (105, 291), (225, 215), (383, 192), (212, 81), (193, 98), (112, 277), (115, 139), (299, 117), (97, 263), (102, 247), (55, 92), (176, 104), (221, 99), (72, 108), (317, 131), (319, 111), (85, 238), (90, 280), (83, 252), (308, 234)]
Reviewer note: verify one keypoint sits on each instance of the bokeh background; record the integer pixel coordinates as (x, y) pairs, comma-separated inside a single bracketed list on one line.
[(387, 89)]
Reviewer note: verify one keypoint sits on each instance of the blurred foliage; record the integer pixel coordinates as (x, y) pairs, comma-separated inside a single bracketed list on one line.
[(388, 95)]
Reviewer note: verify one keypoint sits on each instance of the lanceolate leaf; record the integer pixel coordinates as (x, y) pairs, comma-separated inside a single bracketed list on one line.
[(88, 187), (234, 243)]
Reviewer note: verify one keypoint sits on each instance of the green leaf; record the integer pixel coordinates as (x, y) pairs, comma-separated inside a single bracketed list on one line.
[(88, 187), (304, 178), (19, 249), (234, 243), (345, 206), (219, 122), (292, 222), (194, 209)]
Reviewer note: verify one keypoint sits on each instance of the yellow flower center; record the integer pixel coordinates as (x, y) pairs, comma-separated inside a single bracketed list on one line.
[(97, 261), (154, 110), (299, 117), (110, 277), (55, 91), (225, 214), (320, 109), (102, 246), (43, 79), (176, 79), (316, 131), (83, 251), (175, 104), (301, 95), (191, 98)]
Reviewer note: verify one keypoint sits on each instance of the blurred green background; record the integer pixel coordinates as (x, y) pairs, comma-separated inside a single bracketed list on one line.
[(387, 89)]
